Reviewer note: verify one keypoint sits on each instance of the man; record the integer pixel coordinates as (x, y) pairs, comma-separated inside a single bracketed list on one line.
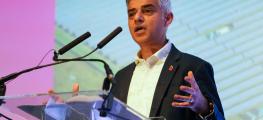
[(164, 81)]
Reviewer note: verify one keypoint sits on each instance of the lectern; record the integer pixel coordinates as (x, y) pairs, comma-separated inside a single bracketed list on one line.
[(84, 105)]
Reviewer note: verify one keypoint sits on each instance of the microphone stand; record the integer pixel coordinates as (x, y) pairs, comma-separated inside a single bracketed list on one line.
[(7, 118), (14, 75), (107, 98)]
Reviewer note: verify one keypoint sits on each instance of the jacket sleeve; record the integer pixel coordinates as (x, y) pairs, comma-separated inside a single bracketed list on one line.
[(204, 76)]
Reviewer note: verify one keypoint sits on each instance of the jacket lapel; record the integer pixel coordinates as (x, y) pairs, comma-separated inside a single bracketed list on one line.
[(127, 77), (168, 71)]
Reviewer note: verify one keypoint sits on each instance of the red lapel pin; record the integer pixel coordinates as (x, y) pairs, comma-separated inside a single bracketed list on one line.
[(171, 68)]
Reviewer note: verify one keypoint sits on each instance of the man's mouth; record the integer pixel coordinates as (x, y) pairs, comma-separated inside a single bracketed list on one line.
[(139, 29)]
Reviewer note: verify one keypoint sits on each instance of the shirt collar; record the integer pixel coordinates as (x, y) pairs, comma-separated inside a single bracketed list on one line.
[(160, 55)]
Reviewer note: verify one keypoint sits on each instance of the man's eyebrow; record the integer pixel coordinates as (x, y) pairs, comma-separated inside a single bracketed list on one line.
[(148, 6), (132, 9)]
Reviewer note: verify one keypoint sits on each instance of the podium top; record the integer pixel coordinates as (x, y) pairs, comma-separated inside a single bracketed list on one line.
[(67, 105), (64, 94), (21, 105)]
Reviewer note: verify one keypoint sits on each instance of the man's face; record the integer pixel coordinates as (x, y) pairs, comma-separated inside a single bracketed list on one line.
[(146, 21)]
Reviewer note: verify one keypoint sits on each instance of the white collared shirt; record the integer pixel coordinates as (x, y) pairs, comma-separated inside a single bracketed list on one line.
[(144, 80)]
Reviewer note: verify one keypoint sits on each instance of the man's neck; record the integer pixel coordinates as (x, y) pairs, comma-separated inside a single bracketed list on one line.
[(148, 50)]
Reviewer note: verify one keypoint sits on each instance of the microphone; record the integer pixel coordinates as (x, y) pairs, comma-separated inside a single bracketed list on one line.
[(100, 45), (74, 43), (110, 77), (109, 37)]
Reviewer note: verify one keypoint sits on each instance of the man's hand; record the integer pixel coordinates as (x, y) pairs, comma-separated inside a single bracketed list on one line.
[(195, 101), (54, 96), (57, 98), (75, 89)]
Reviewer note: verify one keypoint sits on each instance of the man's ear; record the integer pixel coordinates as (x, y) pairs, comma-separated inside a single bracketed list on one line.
[(168, 19)]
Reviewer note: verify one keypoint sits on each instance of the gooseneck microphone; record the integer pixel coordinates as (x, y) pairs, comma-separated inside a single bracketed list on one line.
[(74, 43), (100, 45), (61, 51), (14, 75), (107, 104), (108, 38)]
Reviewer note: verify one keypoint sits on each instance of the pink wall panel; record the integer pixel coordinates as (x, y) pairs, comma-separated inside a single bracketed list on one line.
[(26, 34)]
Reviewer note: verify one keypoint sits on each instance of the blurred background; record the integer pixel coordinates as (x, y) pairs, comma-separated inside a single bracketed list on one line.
[(228, 34)]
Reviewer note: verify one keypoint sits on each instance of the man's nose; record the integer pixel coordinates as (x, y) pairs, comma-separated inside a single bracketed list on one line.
[(139, 18)]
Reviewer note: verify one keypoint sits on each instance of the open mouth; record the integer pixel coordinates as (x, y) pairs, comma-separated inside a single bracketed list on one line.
[(139, 29)]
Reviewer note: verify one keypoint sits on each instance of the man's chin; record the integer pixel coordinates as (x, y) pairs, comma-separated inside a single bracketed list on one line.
[(141, 40)]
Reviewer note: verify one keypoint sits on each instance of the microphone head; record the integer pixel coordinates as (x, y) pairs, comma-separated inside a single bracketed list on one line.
[(109, 37), (74, 43)]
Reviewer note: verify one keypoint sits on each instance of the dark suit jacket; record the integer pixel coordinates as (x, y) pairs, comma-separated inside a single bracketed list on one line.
[(168, 85)]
